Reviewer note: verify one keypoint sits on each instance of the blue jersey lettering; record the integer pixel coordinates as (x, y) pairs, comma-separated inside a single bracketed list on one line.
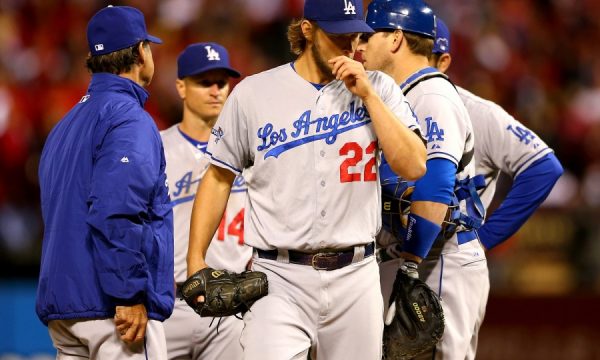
[(434, 133)]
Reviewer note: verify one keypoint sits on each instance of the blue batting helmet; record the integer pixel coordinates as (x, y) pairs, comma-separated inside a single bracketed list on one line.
[(442, 38), (413, 16)]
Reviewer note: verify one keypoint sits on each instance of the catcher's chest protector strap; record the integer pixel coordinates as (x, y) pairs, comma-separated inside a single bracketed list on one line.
[(467, 157), (411, 85)]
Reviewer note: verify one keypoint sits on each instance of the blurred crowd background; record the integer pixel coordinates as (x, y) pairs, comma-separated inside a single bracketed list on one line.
[(536, 58)]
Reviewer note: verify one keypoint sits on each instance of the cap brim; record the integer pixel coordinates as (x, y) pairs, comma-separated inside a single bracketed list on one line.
[(154, 39), (231, 72), (344, 26)]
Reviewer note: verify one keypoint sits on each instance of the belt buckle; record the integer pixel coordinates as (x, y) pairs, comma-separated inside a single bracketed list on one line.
[(315, 258)]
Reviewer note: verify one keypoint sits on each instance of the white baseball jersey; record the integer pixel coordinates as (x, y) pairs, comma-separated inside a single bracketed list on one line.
[(443, 118), (503, 143), (186, 164), (311, 157)]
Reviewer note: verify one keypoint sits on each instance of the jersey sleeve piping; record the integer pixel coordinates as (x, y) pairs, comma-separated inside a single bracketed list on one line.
[(223, 164), (183, 200), (442, 155), (530, 160)]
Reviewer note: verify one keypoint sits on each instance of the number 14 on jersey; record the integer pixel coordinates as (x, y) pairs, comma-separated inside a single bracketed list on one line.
[(232, 227)]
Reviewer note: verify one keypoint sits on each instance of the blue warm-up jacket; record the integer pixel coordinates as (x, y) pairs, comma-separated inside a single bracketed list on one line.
[(108, 237)]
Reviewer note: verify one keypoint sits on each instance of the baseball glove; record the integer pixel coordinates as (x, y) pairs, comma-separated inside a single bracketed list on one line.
[(225, 293), (418, 323)]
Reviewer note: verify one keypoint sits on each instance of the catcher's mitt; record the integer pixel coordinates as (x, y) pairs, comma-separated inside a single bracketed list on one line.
[(418, 323), (225, 293)]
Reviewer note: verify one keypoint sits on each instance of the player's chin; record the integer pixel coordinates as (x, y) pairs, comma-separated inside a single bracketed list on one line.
[(213, 111), (214, 106), (366, 65)]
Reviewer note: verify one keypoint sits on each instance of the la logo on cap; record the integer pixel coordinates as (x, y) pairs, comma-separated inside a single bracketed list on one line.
[(349, 7), (442, 43), (99, 47), (212, 54)]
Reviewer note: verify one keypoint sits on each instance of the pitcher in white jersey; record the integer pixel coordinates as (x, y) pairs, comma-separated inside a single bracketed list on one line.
[(439, 232), (308, 136), (203, 72), (503, 145)]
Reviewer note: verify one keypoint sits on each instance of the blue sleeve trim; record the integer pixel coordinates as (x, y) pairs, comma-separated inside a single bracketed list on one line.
[(444, 153), (531, 157), (183, 200), (217, 161), (529, 190), (438, 182)]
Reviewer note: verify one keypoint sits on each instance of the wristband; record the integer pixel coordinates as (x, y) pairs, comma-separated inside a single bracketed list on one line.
[(420, 235)]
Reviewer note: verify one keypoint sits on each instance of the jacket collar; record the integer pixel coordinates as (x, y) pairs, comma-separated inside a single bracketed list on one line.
[(110, 82)]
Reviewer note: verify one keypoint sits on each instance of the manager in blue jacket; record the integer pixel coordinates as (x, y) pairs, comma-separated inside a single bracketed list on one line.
[(106, 281)]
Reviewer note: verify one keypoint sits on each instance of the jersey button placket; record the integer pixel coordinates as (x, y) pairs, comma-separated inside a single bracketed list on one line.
[(322, 166)]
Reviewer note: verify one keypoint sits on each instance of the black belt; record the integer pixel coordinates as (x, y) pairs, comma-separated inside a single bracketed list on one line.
[(329, 260)]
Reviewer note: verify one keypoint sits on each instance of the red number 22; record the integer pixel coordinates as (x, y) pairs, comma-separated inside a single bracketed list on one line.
[(346, 174)]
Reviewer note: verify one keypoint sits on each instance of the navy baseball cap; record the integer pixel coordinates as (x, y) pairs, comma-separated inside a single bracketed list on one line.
[(201, 57), (442, 38), (115, 28), (337, 16)]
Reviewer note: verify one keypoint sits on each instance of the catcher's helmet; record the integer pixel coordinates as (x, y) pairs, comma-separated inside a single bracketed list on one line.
[(412, 16)]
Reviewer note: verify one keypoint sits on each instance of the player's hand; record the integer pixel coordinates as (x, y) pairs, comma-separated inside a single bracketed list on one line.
[(353, 74), (131, 322), (410, 268), (194, 269), (410, 257)]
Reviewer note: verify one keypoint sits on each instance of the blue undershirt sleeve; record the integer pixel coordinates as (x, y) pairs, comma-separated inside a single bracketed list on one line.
[(529, 189), (437, 184)]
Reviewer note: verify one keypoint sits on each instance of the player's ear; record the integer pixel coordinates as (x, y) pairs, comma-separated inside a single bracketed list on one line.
[(444, 62), (143, 50), (396, 37), (308, 30), (180, 86)]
